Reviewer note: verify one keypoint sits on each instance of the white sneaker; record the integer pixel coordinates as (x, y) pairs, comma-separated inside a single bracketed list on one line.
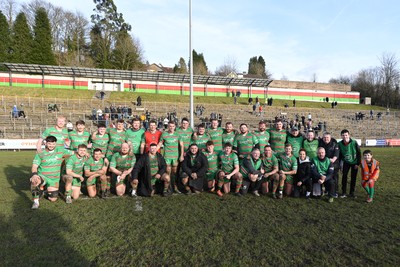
[(68, 200), (118, 179), (133, 193), (35, 205)]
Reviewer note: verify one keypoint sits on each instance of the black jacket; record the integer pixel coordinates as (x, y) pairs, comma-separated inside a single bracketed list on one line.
[(141, 171), (199, 166), (303, 170)]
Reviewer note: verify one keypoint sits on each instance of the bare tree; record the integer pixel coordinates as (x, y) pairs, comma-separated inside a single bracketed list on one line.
[(9, 9), (228, 67), (390, 75)]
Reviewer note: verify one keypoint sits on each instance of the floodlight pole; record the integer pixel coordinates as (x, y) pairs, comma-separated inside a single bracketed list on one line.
[(191, 65)]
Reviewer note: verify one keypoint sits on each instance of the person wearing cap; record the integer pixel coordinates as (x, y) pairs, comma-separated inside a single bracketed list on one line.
[(296, 139), (46, 170), (194, 169), (262, 135)]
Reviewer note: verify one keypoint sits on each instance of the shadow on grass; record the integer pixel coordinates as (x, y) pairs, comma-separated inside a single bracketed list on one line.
[(32, 238)]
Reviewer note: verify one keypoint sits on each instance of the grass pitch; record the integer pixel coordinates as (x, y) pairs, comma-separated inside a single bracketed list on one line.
[(200, 230)]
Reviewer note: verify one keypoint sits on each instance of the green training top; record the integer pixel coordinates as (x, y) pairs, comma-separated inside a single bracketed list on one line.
[(78, 139), (135, 137)]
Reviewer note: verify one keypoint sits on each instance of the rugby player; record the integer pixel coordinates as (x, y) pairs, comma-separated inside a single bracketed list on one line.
[(96, 167), (287, 170), (229, 169), (121, 166), (58, 131)]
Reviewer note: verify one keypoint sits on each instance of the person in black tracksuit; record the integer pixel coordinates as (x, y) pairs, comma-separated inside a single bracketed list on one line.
[(303, 175), (332, 152)]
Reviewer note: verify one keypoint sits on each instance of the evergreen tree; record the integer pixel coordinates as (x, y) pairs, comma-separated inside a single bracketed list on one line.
[(42, 41), (5, 39), (21, 44), (199, 64), (126, 55), (181, 66), (257, 67)]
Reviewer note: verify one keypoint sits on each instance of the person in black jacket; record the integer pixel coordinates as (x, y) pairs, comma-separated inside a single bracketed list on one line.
[(303, 175), (332, 152), (149, 170), (193, 170)]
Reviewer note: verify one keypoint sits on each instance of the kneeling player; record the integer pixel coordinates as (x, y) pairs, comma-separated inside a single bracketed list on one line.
[(74, 177), (271, 168), (152, 169), (229, 169), (96, 167), (121, 166), (252, 172), (46, 170)]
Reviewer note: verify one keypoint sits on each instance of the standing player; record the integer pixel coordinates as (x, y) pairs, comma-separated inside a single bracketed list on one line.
[(74, 177), (96, 167), (173, 152), (350, 157), (229, 170), (46, 170), (78, 136), (117, 137), (287, 170), (121, 166), (212, 159), (152, 135), (228, 136), (262, 134), (58, 131), (215, 133), (310, 144), (369, 174), (148, 171), (100, 138), (277, 137), (200, 138), (185, 133), (296, 139), (134, 137), (244, 142), (271, 169)]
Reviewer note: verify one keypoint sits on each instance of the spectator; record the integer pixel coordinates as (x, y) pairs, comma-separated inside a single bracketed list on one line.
[(99, 113), (21, 112), (70, 126), (294, 102), (102, 93), (138, 101), (15, 111), (250, 101)]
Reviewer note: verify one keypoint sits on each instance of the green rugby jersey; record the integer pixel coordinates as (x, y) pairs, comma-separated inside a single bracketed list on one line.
[(349, 152), (92, 165), (216, 137), (185, 136), (49, 162), (78, 139), (115, 141), (296, 142), (256, 165), (61, 135), (201, 141), (76, 164), (228, 162), (99, 141), (311, 148), (263, 139), (245, 143), (212, 159), (322, 166), (287, 163), (153, 165), (135, 137), (228, 137), (270, 163), (171, 145), (123, 162), (277, 139)]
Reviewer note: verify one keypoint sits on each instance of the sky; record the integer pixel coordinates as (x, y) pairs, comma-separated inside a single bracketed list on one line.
[(299, 40)]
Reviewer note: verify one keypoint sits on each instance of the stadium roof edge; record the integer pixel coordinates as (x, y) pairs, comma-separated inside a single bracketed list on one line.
[(132, 75)]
